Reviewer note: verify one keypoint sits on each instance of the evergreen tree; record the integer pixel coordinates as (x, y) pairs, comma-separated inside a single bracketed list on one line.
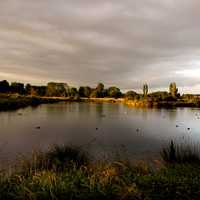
[(145, 89), (173, 90)]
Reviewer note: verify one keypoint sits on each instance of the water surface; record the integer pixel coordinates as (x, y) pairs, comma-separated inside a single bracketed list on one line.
[(102, 129)]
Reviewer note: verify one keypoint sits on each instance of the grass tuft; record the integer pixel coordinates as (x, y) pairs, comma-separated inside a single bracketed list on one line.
[(181, 154), (58, 158)]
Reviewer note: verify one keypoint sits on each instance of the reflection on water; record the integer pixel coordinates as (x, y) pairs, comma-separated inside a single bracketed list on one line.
[(100, 128)]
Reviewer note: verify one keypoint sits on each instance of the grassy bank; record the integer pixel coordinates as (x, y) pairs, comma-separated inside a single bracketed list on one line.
[(13, 102), (67, 173), (162, 104), (102, 100)]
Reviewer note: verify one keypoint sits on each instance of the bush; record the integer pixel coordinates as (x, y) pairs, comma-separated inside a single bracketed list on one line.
[(57, 158), (130, 95), (114, 92), (62, 156)]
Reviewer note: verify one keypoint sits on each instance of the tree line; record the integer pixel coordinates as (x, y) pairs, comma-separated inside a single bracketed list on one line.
[(53, 89), (60, 90)]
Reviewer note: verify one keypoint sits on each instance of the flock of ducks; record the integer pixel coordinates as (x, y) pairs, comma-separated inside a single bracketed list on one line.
[(197, 116), (177, 126), (137, 130)]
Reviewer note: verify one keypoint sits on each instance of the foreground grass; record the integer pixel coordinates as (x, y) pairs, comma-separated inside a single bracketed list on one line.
[(66, 173)]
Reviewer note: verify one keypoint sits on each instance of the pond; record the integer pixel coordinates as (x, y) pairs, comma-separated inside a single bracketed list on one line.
[(103, 129)]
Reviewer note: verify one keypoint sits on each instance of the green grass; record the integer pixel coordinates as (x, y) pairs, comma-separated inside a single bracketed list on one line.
[(67, 173), (177, 182)]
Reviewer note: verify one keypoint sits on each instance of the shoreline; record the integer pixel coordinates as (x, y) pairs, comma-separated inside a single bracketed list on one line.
[(162, 104), (9, 103), (14, 102)]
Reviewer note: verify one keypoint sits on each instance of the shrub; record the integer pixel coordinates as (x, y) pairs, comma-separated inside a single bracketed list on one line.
[(57, 158)]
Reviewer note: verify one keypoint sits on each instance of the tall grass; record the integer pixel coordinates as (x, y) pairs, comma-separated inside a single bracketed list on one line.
[(65, 173), (181, 153), (57, 159)]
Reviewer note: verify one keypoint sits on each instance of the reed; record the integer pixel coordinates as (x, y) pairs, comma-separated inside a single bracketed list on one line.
[(181, 153)]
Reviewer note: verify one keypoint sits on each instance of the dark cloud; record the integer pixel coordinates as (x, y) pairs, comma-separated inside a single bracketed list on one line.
[(124, 43)]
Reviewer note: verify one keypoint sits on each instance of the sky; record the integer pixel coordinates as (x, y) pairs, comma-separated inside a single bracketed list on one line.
[(118, 42)]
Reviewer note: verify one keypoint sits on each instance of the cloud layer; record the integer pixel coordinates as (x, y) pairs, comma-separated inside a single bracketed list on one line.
[(123, 43)]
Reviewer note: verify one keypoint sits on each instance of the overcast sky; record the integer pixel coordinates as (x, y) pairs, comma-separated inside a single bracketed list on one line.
[(118, 42)]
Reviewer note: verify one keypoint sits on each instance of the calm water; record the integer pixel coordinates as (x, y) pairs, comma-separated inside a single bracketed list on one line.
[(100, 128)]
